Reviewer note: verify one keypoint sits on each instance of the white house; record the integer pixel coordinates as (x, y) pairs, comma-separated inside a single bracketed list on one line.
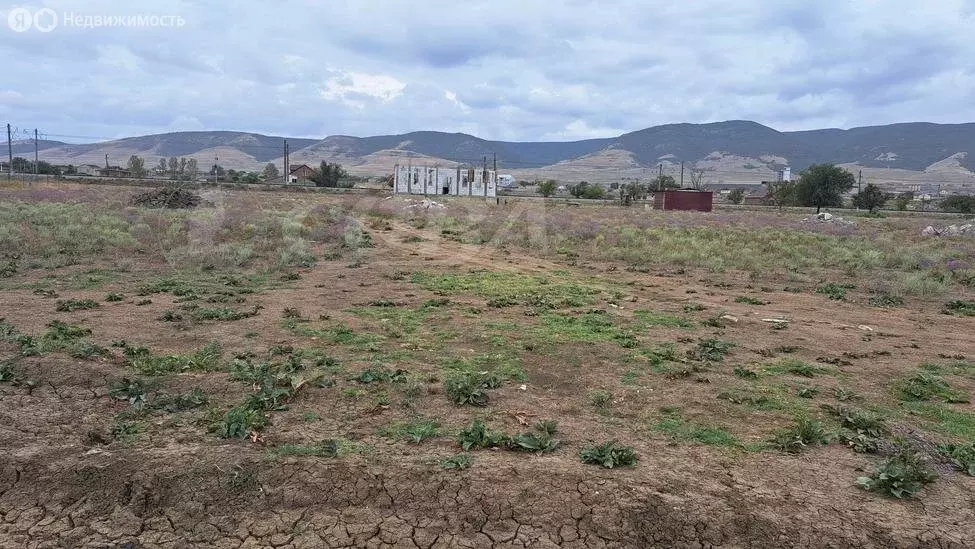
[(432, 180)]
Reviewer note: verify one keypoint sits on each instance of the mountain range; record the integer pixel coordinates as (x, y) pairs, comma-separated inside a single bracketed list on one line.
[(729, 152)]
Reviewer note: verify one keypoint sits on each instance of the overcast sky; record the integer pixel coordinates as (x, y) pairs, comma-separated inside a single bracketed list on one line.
[(505, 69)]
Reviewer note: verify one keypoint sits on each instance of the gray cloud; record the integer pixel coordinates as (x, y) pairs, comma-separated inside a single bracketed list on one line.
[(504, 69)]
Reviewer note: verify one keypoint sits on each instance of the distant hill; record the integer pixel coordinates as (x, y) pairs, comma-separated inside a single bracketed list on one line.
[(732, 151)]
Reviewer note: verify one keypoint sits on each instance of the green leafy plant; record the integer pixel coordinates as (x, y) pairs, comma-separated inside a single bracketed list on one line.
[(190, 400), (114, 297), (328, 448), (415, 431), (240, 422), (744, 372), (132, 390), (534, 442), (749, 300), (711, 350), (469, 388), (807, 392), (126, 431), (859, 421), (6, 372), (901, 475), (69, 305), (834, 291), (224, 314), (803, 433), (924, 386), (962, 456), (608, 454), (599, 399), (797, 367), (477, 435), (456, 461), (960, 308)]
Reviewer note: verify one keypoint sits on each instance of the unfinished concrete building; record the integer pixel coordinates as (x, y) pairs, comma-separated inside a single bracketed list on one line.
[(432, 180)]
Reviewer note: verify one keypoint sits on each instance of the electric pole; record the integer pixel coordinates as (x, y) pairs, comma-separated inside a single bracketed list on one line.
[(495, 162), (106, 161), (216, 164), (10, 155), (660, 176), (287, 163), (682, 174), (35, 154)]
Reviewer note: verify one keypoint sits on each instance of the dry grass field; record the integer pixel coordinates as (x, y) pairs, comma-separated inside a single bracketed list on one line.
[(298, 370)]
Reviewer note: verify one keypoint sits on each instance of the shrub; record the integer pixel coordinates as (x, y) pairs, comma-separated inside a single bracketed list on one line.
[(902, 475), (803, 433), (114, 296), (749, 300), (68, 305), (608, 454)]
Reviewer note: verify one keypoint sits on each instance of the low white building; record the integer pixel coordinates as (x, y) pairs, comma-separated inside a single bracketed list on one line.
[(427, 180)]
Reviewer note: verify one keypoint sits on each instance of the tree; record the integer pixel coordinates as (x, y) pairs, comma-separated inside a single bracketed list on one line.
[(633, 190), (663, 182), (697, 179), (250, 178), (823, 185), (192, 169), (270, 171), (548, 187), (782, 193), (585, 190), (21, 165), (70, 170), (137, 166), (46, 168), (870, 198), (182, 167), (329, 175), (736, 196), (173, 167), (959, 203), (902, 200)]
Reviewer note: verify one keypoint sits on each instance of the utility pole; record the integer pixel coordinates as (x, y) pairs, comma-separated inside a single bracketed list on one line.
[(660, 176), (287, 171), (682, 174), (495, 163), (106, 161), (35, 154), (859, 183), (216, 162), (10, 155)]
